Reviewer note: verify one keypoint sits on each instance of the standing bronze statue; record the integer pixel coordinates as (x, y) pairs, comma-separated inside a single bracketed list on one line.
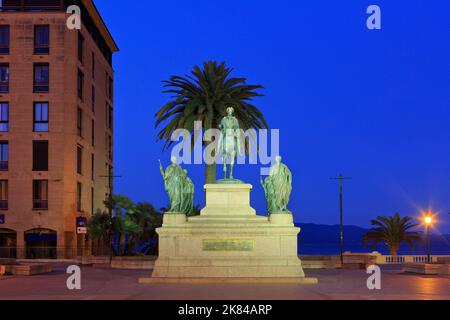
[(187, 203), (230, 143), (278, 187), (179, 187)]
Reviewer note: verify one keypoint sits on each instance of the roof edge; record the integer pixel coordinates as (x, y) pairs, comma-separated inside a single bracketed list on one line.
[(95, 15)]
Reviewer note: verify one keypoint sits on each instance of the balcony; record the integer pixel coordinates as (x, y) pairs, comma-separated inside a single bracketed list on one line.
[(4, 49), (40, 87), (3, 204), (4, 166), (40, 204), (41, 49), (4, 86)]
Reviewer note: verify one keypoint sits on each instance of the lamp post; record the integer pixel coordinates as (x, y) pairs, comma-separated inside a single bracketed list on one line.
[(428, 221), (341, 219)]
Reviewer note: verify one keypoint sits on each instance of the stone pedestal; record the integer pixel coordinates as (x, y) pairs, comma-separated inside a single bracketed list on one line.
[(228, 242)]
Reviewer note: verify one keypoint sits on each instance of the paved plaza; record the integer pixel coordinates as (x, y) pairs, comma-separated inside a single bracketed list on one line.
[(105, 283)]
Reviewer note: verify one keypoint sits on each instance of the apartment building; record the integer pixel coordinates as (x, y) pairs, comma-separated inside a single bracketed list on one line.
[(56, 126)]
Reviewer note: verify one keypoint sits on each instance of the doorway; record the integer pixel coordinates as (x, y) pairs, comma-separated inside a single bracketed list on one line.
[(8, 243), (41, 244)]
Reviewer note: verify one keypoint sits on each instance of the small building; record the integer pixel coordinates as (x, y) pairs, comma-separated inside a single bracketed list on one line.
[(56, 126)]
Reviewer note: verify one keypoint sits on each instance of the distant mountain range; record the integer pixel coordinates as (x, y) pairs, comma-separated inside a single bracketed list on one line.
[(324, 239)]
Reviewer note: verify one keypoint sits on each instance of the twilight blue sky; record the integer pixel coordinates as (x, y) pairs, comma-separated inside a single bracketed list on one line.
[(374, 105)]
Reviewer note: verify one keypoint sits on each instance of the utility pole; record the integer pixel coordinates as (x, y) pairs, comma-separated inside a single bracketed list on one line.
[(341, 209), (110, 178)]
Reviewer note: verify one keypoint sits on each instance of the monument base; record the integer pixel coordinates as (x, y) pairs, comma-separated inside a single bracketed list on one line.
[(154, 280), (228, 243)]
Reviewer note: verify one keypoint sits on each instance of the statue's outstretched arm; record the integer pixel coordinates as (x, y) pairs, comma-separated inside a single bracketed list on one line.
[(161, 169)]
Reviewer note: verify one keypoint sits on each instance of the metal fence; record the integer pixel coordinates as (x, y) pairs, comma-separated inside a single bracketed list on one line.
[(53, 252)]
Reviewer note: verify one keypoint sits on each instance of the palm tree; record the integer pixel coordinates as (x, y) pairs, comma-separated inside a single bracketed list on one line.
[(100, 228), (148, 218), (103, 226), (392, 231), (204, 96)]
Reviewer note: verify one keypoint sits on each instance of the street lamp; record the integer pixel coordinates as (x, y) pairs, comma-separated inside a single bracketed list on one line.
[(428, 220)]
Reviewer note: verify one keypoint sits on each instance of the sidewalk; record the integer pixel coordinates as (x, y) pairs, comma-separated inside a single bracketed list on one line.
[(101, 284)]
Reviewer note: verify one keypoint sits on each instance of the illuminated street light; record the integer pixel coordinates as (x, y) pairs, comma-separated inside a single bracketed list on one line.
[(428, 220)]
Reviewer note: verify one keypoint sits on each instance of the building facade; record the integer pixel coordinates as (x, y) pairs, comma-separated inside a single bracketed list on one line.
[(56, 126)]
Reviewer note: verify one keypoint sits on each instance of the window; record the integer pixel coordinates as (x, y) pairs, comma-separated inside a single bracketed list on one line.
[(109, 116), (92, 167), (93, 133), (4, 156), (110, 176), (80, 46), (107, 145), (80, 85), (93, 66), (92, 200), (40, 123), (80, 122), (93, 99), (41, 39), (3, 194), (109, 86), (40, 155), (79, 195), (41, 77), (4, 39), (4, 78), (79, 159), (110, 147), (4, 116), (40, 194)]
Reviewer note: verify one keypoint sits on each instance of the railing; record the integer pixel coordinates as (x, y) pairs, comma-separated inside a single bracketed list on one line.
[(4, 87), (41, 253), (3, 204), (40, 204), (39, 87), (423, 259), (4, 49), (41, 49), (8, 252), (388, 259), (392, 259), (52, 252), (373, 258)]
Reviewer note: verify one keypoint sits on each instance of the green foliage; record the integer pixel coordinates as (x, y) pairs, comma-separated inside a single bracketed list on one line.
[(137, 221), (100, 225), (203, 96), (392, 231), (149, 219)]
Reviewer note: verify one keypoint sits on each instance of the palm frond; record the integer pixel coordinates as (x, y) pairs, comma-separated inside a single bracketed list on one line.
[(203, 96)]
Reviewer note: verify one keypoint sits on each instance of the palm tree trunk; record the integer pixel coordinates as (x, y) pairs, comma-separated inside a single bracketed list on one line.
[(211, 173), (393, 251)]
